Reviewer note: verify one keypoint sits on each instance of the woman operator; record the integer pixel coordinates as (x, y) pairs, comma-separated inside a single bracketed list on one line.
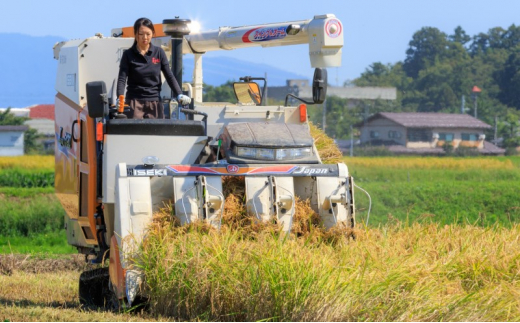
[(142, 65)]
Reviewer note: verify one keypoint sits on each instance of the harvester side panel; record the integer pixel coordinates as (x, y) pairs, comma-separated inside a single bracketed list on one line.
[(75, 161), (133, 210), (88, 165)]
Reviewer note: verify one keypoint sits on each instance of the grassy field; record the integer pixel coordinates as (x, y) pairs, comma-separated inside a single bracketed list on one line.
[(442, 245), (31, 221), (481, 191)]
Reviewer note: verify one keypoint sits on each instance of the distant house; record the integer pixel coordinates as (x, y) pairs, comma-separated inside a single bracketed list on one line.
[(42, 120), (425, 133), (303, 89), (12, 140)]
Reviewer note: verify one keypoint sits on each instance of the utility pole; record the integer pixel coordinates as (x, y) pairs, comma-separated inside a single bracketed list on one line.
[(351, 142), (495, 134), (462, 107), (324, 115), (266, 89), (474, 93), (475, 108)]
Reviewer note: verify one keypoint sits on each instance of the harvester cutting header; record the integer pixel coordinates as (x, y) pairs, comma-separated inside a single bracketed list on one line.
[(113, 173)]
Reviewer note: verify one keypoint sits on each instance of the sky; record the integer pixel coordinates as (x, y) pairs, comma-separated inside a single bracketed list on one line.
[(374, 30)]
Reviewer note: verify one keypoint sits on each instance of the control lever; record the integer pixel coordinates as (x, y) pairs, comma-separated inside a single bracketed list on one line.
[(187, 111)]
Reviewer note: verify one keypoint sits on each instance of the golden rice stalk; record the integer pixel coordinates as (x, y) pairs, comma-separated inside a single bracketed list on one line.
[(306, 222), (327, 149)]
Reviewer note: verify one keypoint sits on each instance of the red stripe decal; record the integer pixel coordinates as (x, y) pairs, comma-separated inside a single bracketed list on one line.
[(245, 38)]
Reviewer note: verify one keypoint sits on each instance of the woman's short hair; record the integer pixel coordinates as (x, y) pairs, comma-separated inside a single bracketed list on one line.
[(143, 22)]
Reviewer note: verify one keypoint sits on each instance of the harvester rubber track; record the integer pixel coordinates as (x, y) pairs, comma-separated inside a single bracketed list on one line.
[(94, 291)]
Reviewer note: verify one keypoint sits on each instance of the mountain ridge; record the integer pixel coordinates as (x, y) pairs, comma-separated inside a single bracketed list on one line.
[(28, 71)]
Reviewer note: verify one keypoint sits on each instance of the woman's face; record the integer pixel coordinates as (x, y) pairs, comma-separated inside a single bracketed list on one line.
[(144, 36)]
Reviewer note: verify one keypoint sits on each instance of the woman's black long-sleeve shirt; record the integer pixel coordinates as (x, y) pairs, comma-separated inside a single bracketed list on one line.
[(144, 74)]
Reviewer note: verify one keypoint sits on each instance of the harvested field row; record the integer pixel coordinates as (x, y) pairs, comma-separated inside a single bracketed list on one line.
[(50, 296), (15, 263)]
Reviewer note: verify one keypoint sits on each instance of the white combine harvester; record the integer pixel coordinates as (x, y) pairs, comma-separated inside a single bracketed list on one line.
[(113, 173)]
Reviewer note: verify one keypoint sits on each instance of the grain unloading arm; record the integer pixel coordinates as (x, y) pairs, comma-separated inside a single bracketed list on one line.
[(323, 33)]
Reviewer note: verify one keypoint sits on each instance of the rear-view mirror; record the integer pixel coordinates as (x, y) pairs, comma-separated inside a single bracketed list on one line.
[(97, 101), (247, 93), (319, 85)]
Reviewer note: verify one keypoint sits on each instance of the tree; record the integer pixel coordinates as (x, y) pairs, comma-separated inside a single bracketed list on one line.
[(31, 145), (8, 118), (459, 36), (426, 47), (511, 125), (222, 93), (508, 80), (339, 117)]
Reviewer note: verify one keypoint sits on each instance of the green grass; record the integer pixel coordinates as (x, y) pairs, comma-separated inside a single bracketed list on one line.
[(26, 216), (15, 177), (31, 221), (441, 202), (25, 192), (40, 243), (468, 195)]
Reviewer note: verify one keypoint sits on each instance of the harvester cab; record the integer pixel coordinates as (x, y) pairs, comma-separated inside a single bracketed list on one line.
[(113, 173)]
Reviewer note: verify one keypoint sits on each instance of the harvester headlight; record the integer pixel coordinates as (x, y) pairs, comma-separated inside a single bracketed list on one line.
[(282, 154), (300, 152), (273, 154), (263, 153), (246, 152)]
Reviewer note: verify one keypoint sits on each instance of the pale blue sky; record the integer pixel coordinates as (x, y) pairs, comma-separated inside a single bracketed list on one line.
[(375, 30)]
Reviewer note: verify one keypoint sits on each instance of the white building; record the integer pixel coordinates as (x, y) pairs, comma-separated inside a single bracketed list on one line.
[(12, 140)]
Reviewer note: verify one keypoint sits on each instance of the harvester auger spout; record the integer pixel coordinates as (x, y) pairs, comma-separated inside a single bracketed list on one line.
[(113, 174)]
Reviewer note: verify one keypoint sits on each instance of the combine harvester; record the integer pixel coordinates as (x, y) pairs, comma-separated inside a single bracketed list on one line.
[(113, 173)]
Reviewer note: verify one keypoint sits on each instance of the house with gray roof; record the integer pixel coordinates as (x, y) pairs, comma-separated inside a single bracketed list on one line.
[(425, 133)]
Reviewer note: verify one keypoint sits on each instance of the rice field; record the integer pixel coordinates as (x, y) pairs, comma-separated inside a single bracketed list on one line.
[(442, 244), (28, 162), (392, 273), (426, 163)]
